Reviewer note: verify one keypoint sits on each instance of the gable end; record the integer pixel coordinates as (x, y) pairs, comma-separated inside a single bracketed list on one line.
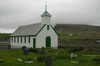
[(54, 30), (40, 30)]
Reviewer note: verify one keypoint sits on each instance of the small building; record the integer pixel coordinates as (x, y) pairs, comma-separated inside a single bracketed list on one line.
[(36, 35)]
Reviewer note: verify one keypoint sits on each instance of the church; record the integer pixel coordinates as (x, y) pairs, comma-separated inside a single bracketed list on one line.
[(36, 35)]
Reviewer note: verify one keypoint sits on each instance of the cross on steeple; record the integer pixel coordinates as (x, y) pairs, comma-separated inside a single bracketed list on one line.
[(45, 5)]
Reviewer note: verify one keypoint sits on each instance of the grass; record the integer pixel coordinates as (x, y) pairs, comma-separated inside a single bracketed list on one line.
[(79, 37), (11, 56), (5, 34)]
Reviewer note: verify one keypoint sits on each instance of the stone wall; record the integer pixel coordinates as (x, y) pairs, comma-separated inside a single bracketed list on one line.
[(89, 44)]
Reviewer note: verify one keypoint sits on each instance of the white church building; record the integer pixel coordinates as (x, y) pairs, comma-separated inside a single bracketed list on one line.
[(36, 35)]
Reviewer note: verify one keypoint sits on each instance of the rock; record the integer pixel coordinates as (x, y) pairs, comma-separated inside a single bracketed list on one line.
[(74, 62), (20, 60), (29, 61), (1, 60)]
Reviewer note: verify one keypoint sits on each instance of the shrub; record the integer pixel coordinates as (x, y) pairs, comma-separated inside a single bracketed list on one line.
[(41, 59), (96, 60), (9, 46), (76, 49), (32, 50), (62, 55), (23, 47)]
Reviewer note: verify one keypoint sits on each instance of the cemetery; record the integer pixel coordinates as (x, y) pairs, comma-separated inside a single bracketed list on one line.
[(49, 57)]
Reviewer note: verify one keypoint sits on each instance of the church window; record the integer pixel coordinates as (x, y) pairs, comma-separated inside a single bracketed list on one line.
[(17, 39), (47, 27), (29, 40), (14, 39), (21, 40), (25, 39)]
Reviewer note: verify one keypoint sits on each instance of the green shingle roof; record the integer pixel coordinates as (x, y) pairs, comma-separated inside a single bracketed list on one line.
[(46, 13)]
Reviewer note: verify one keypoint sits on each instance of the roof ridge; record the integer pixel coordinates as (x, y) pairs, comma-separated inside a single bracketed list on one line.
[(29, 24)]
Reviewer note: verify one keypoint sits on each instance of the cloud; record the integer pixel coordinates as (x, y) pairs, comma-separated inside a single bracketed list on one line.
[(14, 13)]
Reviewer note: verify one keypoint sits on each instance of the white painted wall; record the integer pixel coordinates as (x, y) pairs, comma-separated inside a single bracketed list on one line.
[(40, 40), (46, 20), (19, 44)]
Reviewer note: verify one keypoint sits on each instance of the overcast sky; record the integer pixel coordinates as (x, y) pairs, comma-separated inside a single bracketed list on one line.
[(14, 13)]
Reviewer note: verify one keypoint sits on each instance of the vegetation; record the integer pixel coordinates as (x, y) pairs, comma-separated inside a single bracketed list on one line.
[(70, 31), (78, 37), (61, 57), (5, 34)]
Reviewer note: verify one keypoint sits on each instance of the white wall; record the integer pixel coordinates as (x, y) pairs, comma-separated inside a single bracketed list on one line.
[(46, 20), (19, 44), (40, 40)]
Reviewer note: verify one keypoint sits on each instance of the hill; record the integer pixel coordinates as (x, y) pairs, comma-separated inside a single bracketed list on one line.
[(5, 34), (77, 31)]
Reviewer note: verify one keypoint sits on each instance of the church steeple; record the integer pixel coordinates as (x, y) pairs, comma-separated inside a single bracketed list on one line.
[(46, 17), (46, 6)]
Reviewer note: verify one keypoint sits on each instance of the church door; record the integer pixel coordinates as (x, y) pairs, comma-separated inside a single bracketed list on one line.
[(34, 43), (48, 42)]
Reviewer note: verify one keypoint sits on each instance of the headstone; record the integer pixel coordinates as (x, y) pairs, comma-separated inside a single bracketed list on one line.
[(26, 52), (48, 61), (29, 61), (43, 50), (70, 51), (41, 59), (57, 53), (1, 60), (72, 55), (20, 60), (24, 47), (39, 51), (75, 62)]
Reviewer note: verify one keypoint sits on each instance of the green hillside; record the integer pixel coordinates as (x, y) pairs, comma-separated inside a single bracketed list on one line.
[(5, 34), (70, 31)]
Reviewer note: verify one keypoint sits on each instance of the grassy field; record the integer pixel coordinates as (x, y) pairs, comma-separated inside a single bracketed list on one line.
[(5, 34), (63, 59), (79, 37), (77, 31)]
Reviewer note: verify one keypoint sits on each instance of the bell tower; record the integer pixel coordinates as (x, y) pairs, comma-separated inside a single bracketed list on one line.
[(46, 17)]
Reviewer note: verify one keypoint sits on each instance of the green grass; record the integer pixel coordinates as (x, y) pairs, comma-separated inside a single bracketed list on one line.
[(11, 56), (79, 37), (5, 34), (78, 31)]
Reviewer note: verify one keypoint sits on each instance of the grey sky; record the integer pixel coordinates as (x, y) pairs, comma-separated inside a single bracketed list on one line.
[(14, 13)]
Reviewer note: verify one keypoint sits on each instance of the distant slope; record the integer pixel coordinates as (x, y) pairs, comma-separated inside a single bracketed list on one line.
[(5, 34), (78, 31)]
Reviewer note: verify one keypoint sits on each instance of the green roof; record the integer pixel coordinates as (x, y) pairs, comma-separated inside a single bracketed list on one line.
[(46, 13)]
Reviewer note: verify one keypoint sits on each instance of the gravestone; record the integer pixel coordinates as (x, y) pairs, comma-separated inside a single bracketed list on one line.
[(24, 47), (38, 51), (41, 59), (48, 61), (43, 50), (1, 60), (57, 53), (26, 52), (72, 55)]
